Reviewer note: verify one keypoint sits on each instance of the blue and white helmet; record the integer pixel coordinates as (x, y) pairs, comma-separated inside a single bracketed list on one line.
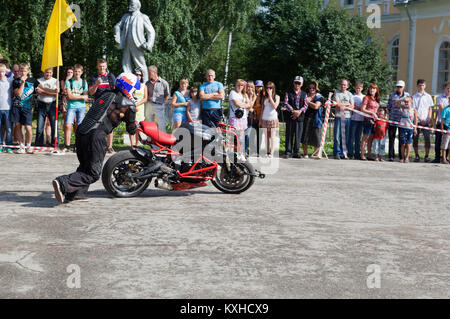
[(128, 83)]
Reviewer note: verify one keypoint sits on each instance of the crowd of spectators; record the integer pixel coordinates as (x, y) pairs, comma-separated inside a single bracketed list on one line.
[(360, 123)]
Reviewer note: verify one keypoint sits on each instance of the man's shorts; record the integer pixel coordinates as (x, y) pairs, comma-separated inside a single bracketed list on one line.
[(211, 117), (78, 112), (22, 115), (406, 135), (445, 143)]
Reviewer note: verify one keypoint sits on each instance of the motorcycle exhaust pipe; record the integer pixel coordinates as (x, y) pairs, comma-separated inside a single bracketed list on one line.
[(162, 184), (146, 173)]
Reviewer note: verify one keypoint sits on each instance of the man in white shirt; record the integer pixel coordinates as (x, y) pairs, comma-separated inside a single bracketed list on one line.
[(46, 106), (422, 102), (442, 102)]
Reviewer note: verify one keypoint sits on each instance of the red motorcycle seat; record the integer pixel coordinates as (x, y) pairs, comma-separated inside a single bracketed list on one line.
[(151, 129)]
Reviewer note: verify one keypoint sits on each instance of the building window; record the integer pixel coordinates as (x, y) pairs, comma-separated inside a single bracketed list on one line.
[(444, 65), (348, 3), (393, 55)]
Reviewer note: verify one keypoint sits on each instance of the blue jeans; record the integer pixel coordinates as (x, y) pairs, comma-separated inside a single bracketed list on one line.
[(252, 140), (356, 128), (337, 145), (5, 121), (45, 110), (75, 114), (379, 146)]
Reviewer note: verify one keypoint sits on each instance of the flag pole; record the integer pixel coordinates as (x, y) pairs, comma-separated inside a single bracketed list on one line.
[(57, 77)]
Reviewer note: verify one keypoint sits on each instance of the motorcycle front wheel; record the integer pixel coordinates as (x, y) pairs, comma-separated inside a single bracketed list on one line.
[(238, 179), (116, 175)]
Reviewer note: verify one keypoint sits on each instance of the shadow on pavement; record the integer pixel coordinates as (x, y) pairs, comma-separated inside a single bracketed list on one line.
[(47, 199), (43, 200), (152, 193)]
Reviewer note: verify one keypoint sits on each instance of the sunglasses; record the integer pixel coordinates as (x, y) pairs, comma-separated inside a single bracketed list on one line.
[(269, 87), (298, 83)]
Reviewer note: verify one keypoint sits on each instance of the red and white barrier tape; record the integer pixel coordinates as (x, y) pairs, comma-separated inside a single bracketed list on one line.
[(325, 124), (31, 149), (401, 124)]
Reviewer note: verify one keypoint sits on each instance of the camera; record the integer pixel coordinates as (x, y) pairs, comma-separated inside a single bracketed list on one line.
[(239, 113)]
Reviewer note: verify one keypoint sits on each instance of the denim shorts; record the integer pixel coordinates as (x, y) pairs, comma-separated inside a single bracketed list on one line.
[(368, 128), (78, 112), (406, 135), (180, 117), (21, 115)]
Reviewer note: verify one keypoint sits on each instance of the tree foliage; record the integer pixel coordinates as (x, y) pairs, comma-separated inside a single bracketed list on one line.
[(273, 41), (184, 29)]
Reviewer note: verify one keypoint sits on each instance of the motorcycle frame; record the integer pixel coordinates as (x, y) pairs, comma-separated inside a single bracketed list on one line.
[(193, 173)]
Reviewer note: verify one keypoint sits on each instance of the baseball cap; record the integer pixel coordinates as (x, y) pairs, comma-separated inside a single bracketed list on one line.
[(298, 78), (259, 83), (400, 83)]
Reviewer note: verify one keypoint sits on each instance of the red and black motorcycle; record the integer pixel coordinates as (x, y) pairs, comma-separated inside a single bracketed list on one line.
[(189, 159)]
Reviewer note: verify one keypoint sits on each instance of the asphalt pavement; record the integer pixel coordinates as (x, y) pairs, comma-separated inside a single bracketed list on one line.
[(311, 229)]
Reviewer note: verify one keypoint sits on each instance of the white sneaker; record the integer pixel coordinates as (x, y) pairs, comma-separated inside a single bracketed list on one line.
[(241, 157), (58, 193), (21, 151)]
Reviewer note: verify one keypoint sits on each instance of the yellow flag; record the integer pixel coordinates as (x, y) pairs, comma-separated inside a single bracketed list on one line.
[(62, 18)]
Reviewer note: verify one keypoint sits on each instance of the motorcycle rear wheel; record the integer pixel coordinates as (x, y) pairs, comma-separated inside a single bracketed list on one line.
[(231, 182), (115, 177)]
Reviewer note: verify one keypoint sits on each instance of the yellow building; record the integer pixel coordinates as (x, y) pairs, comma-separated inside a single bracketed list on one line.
[(417, 37)]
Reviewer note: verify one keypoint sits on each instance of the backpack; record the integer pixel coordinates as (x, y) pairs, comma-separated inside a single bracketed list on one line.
[(83, 84)]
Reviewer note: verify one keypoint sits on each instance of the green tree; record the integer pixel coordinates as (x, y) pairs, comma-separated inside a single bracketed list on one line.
[(298, 37)]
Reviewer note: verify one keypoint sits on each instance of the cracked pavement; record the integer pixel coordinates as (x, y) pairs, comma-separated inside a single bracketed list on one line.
[(309, 230)]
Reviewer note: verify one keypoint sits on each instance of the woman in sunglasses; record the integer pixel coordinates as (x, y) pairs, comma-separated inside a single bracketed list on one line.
[(269, 117)]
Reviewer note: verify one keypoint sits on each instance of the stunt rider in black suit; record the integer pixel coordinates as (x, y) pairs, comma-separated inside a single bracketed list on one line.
[(106, 113)]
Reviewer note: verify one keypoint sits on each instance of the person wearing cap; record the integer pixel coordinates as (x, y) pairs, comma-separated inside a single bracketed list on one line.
[(296, 103), (442, 102), (395, 114)]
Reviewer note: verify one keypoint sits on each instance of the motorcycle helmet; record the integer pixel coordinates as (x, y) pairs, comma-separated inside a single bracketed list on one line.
[(127, 83)]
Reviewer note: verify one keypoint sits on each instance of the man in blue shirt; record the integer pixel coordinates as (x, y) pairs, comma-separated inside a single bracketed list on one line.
[(211, 93)]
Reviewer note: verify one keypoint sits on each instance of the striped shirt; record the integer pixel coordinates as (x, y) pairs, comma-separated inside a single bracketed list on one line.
[(395, 113)]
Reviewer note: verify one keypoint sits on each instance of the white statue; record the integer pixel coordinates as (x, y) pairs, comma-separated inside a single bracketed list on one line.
[(130, 34)]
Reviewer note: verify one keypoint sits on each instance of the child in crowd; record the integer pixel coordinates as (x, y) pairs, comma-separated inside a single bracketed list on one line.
[(379, 137), (356, 124), (77, 94), (195, 106), (5, 107), (409, 118), (141, 97), (445, 125)]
